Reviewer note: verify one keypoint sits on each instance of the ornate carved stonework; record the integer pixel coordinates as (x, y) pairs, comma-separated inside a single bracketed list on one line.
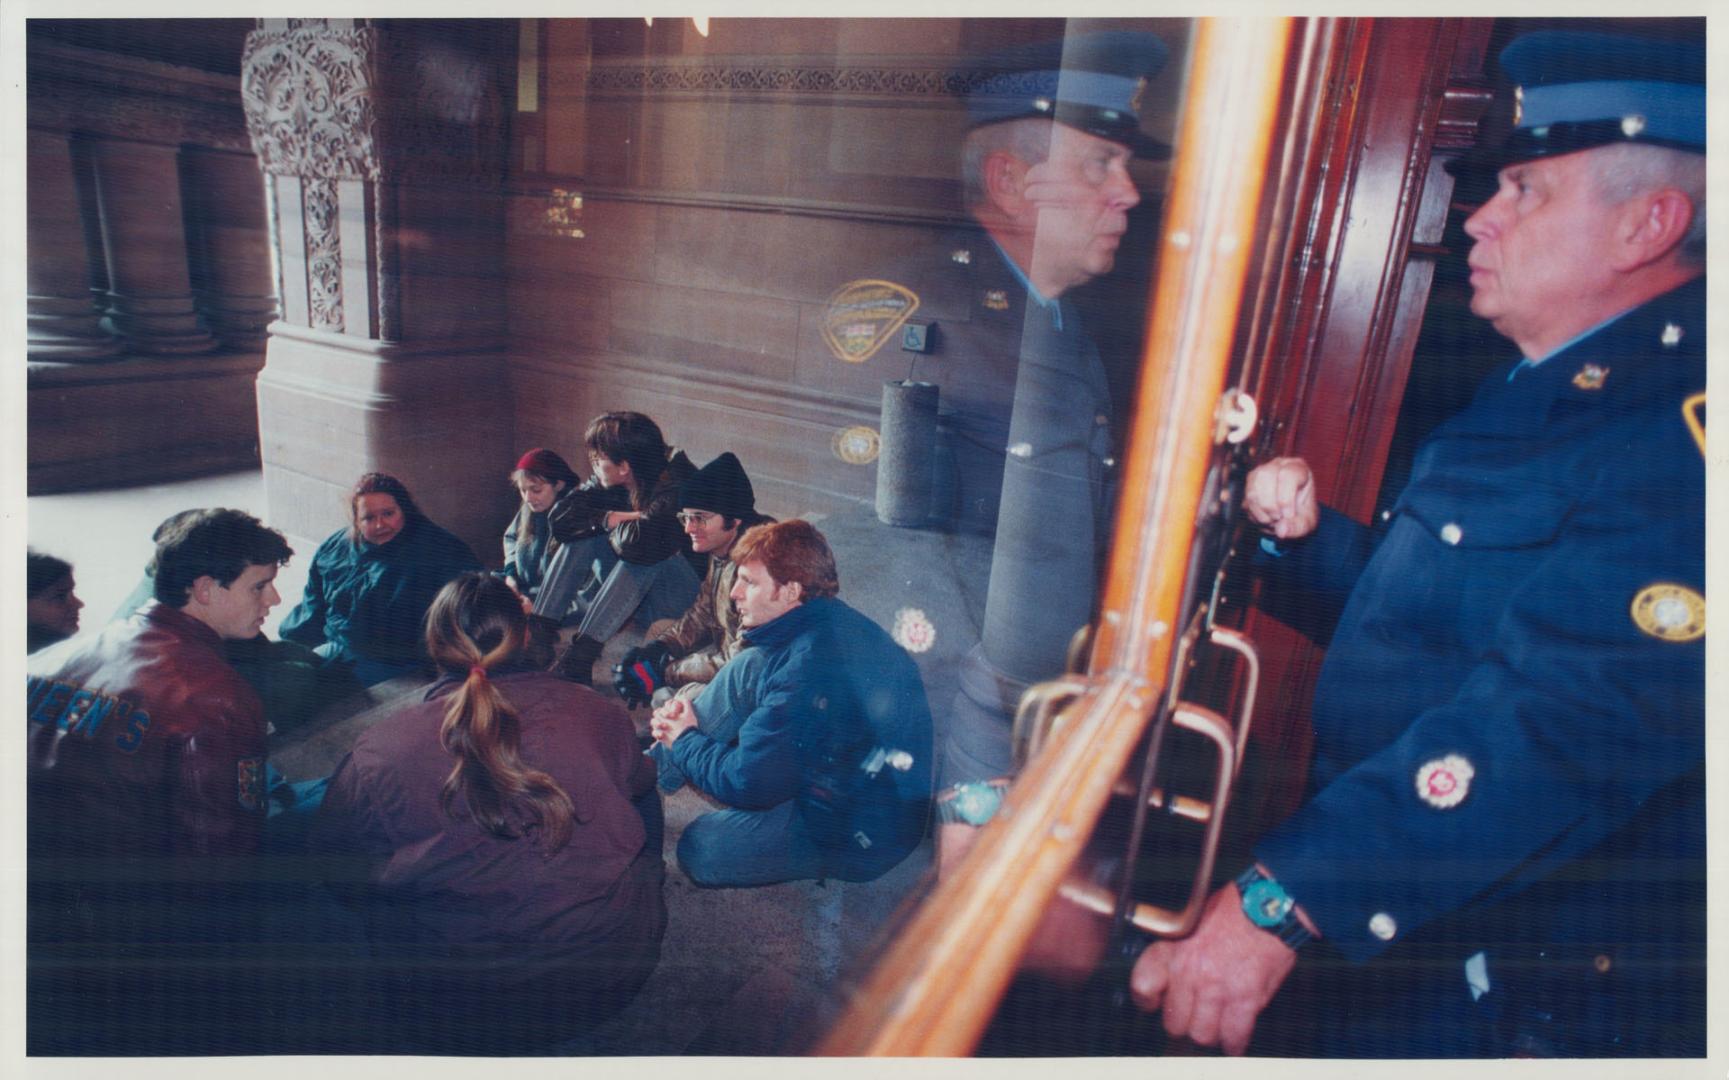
[(323, 253), (782, 78), (310, 101)]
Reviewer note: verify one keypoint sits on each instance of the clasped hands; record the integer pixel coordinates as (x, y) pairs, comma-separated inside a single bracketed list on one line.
[(672, 720)]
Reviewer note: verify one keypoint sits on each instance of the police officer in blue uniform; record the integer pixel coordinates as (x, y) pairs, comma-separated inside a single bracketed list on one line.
[(1027, 427), (1503, 849)]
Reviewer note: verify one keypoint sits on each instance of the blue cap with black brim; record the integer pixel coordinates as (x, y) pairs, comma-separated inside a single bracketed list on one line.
[(1093, 82), (1579, 90)]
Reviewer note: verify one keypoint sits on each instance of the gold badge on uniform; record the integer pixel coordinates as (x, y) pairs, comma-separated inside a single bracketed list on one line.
[(1670, 612), (863, 315), (1591, 377), (857, 445), (996, 300)]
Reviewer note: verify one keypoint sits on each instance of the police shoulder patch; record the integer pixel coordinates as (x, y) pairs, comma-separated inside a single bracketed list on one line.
[(1669, 612)]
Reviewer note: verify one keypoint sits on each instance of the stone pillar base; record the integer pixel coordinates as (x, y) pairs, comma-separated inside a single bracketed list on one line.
[(138, 421), (65, 328), (436, 415)]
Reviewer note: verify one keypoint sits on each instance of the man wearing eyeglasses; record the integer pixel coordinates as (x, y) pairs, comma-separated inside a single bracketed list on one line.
[(716, 506)]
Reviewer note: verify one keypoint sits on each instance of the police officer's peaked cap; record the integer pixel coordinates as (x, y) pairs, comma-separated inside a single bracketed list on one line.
[(1094, 82), (1577, 90)]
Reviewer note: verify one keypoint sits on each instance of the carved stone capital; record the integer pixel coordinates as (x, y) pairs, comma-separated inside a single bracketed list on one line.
[(310, 95)]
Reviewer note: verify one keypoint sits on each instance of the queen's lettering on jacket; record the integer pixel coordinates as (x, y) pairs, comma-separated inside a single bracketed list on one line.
[(73, 710)]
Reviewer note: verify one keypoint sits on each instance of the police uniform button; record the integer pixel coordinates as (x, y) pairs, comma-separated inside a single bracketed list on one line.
[(1602, 963), (1671, 335), (1110, 463), (1101, 419), (1382, 926), (1451, 534), (1021, 450)]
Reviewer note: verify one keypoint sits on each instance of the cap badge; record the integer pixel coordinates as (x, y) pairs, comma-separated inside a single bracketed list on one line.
[(1670, 612), (1140, 92), (863, 315), (1444, 782), (1591, 377), (997, 300), (1671, 335), (1518, 104), (1632, 125)]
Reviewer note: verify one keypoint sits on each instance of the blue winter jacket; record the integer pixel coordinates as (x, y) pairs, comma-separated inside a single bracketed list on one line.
[(836, 690)]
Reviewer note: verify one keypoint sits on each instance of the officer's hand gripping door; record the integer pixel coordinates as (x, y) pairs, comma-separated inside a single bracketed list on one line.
[(1108, 751)]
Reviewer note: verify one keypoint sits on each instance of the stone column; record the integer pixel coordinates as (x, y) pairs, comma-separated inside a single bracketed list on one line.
[(149, 298), (230, 245), (63, 316), (383, 148)]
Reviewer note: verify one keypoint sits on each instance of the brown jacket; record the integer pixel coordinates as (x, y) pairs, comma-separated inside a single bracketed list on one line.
[(427, 878), (706, 636)]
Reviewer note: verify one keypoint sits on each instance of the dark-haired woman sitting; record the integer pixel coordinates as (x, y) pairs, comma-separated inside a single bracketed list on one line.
[(504, 843), (370, 583)]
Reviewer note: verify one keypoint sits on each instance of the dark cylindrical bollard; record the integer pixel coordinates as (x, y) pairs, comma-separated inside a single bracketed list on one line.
[(909, 438)]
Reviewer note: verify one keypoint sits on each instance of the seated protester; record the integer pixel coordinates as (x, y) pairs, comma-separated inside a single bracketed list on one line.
[(716, 505), (816, 736), (146, 805), (370, 584), (542, 478), (619, 541), (293, 681), (50, 605), (502, 839)]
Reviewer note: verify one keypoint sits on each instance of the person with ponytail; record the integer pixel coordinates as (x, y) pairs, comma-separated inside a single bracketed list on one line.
[(501, 838)]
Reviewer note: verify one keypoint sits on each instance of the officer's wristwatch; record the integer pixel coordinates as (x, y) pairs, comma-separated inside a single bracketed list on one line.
[(1271, 908), (972, 803)]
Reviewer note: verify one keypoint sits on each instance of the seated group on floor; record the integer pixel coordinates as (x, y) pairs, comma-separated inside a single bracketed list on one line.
[(483, 871)]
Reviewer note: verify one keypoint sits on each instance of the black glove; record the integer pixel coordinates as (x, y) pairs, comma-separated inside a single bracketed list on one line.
[(641, 673)]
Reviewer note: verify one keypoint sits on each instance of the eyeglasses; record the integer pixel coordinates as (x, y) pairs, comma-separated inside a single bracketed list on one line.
[(694, 517)]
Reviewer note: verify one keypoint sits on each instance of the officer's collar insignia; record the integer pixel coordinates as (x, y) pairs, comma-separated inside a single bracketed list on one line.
[(1671, 335), (1591, 377), (961, 257), (1669, 612), (996, 300), (863, 315), (1444, 782)]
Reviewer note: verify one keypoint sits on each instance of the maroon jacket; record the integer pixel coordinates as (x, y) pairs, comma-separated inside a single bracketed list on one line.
[(434, 879), (144, 742)]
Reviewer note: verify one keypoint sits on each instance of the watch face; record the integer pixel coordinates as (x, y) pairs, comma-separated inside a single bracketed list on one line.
[(1266, 904), (977, 803)]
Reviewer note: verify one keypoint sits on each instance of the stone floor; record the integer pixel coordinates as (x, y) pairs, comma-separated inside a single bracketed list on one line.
[(743, 971)]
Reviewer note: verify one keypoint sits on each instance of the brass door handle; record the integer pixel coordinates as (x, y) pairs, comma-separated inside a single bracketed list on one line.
[(1151, 918), (1036, 715), (1241, 645)]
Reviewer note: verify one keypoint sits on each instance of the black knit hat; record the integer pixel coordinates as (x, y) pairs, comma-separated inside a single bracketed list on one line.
[(720, 487)]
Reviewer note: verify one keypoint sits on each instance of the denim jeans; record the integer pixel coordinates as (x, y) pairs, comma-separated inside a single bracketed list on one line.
[(663, 590)]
